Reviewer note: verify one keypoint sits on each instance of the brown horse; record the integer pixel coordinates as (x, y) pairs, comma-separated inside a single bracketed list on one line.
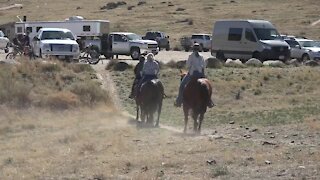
[(149, 100), (196, 96)]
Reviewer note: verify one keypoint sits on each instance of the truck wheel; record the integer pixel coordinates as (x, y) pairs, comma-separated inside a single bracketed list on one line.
[(305, 57), (257, 55), (107, 56), (135, 53), (186, 49)]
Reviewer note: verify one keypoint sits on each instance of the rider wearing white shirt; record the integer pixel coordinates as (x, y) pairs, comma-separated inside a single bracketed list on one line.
[(195, 65)]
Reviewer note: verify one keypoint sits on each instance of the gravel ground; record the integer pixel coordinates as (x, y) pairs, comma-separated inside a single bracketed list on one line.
[(163, 56)]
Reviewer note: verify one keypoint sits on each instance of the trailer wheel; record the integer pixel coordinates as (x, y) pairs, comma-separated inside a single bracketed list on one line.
[(135, 53)]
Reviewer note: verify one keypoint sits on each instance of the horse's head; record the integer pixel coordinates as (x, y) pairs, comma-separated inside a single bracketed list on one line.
[(182, 74)]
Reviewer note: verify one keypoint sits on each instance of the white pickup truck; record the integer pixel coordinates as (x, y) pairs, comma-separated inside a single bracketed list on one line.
[(4, 42), (125, 43), (55, 42)]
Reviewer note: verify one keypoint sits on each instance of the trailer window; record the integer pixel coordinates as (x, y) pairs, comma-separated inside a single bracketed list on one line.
[(29, 29), (87, 28), (235, 34), (19, 29), (38, 28)]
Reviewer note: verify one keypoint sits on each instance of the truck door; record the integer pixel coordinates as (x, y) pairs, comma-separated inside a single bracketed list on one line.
[(119, 44)]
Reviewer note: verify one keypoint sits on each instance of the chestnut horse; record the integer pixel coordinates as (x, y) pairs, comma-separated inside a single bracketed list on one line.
[(196, 96), (149, 100)]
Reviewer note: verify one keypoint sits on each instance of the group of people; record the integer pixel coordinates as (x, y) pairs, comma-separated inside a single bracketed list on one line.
[(148, 69)]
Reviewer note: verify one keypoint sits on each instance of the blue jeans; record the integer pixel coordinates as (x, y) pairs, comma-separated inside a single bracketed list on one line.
[(183, 84)]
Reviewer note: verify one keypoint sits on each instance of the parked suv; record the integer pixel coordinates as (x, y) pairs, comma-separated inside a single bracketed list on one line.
[(160, 37), (296, 51), (130, 44), (311, 47), (55, 42), (4, 42)]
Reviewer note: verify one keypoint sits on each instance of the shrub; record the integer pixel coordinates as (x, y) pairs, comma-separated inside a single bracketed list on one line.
[(214, 63), (219, 171), (61, 100), (90, 93), (117, 66), (15, 93), (78, 68), (50, 67)]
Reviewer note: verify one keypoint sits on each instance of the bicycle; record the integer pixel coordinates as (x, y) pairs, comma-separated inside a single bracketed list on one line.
[(90, 55), (18, 51)]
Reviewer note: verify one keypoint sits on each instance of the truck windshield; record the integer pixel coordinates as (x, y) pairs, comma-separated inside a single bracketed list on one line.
[(133, 37), (1, 34), (267, 34), (56, 35)]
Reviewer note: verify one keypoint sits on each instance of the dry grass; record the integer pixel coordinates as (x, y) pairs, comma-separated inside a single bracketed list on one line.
[(289, 16), (50, 84)]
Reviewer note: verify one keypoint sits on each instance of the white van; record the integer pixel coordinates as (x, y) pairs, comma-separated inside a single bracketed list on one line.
[(244, 39)]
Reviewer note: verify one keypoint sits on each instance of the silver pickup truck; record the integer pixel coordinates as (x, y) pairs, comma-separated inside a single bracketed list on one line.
[(123, 43), (130, 44), (203, 39)]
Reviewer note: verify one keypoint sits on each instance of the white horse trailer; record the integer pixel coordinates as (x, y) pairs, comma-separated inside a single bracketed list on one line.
[(80, 28)]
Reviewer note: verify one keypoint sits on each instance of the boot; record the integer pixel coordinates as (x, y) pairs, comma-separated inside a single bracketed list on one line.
[(177, 103)]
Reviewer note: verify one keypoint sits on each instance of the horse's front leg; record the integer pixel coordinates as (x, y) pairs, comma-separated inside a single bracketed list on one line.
[(200, 122), (186, 114)]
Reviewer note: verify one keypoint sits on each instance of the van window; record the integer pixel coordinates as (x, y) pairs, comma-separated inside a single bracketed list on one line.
[(235, 34), (207, 37), (86, 28), (249, 36), (29, 29), (38, 28)]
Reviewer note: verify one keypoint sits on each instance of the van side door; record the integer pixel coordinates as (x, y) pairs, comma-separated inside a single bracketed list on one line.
[(233, 44), (249, 42)]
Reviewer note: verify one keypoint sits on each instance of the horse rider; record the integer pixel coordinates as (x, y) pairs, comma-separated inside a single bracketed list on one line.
[(150, 71), (138, 75), (195, 65)]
